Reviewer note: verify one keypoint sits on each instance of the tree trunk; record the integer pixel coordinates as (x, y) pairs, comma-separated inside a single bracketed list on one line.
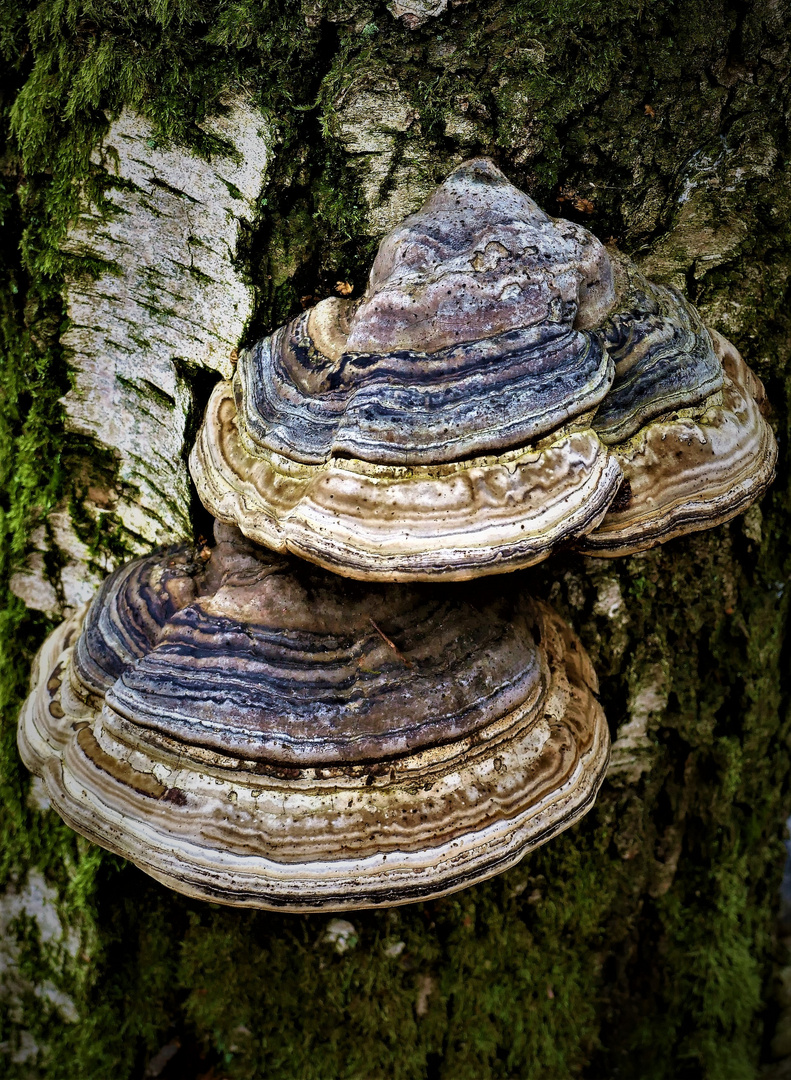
[(179, 179)]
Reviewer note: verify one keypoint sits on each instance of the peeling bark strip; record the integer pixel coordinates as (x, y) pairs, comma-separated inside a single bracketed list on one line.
[(170, 294)]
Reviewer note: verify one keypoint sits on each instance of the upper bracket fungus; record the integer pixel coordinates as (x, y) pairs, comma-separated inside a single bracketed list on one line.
[(252, 730), (440, 427), (474, 409), (692, 468)]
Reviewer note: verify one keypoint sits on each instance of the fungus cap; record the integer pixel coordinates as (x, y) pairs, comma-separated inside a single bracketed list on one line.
[(469, 340), (256, 732), (477, 407), (693, 468), (440, 427)]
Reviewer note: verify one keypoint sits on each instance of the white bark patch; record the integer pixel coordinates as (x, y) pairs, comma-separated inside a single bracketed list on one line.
[(31, 584), (609, 600), (341, 934), (171, 293), (79, 572), (372, 121), (36, 901), (416, 12), (632, 752), (170, 299)]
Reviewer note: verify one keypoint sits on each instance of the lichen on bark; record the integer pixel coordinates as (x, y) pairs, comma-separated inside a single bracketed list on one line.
[(640, 943)]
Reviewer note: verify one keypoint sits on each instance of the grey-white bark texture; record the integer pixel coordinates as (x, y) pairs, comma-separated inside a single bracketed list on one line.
[(169, 297)]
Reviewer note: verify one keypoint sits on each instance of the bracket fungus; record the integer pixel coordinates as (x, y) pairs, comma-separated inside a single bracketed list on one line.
[(440, 426), (252, 730), (692, 468), (475, 408)]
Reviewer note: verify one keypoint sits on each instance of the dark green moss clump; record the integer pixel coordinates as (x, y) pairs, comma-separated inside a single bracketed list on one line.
[(637, 945)]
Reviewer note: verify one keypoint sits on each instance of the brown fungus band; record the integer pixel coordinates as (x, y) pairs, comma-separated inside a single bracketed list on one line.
[(252, 730), (476, 408)]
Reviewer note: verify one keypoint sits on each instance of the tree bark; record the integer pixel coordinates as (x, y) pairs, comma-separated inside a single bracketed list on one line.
[(178, 180)]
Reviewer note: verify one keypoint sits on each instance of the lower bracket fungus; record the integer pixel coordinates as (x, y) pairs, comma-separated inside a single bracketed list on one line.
[(251, 730)]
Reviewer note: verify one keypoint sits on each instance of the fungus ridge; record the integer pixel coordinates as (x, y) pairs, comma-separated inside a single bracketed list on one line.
[(410, 408), (389, 523), (248, 686), (664, 360)]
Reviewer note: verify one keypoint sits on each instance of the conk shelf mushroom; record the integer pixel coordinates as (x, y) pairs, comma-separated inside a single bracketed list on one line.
[(693, 468), (439, 427), (252, 730), (477, 407)]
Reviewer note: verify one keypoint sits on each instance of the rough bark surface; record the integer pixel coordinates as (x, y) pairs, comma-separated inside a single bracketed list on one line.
[(157, 294), (641, 943)]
